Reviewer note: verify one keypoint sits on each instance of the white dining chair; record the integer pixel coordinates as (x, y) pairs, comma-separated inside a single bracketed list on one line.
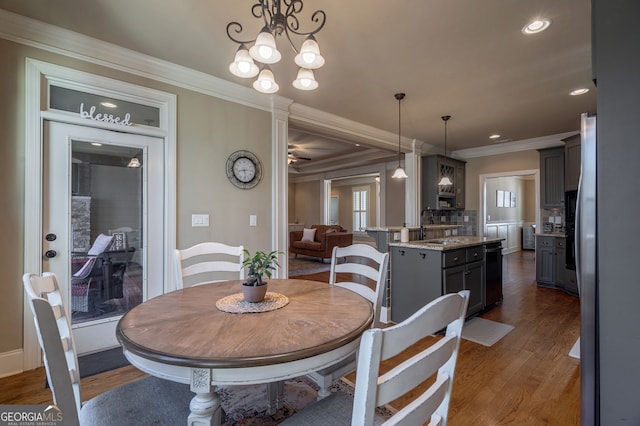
[(145, 402), (366, 270), (373, 389), (208, 262)]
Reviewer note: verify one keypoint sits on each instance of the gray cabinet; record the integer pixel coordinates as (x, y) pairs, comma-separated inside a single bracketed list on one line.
[(443, 197), (552, 177), (419, 276), (415, 280), (550, 261), (464, 270), (572, 159)]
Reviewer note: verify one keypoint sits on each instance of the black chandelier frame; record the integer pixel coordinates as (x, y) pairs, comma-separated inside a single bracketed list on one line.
[(279, 21)]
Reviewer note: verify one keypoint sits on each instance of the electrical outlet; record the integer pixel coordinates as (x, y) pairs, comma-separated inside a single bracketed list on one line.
[(396, 236), (466, 218)]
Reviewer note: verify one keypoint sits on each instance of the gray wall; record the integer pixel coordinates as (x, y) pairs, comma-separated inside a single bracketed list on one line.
[(617, 54)]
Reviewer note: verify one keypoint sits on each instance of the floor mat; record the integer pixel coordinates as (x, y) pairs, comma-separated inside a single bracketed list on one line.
[(100, 362), (575, 350), (484, 332)]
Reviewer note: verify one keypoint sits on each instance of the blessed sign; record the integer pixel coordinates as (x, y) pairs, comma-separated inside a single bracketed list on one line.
[(107, 118)]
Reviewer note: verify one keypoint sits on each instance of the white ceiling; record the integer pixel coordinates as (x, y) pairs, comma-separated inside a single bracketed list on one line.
[(466, 58)]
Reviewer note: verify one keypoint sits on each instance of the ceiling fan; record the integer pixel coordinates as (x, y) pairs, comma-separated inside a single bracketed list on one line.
[(292, 157)]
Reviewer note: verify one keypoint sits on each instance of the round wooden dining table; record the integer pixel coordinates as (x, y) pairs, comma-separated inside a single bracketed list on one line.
[(182, 336)]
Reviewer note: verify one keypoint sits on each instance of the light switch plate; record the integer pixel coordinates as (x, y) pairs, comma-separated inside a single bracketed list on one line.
[(199, 220), (253, 220)]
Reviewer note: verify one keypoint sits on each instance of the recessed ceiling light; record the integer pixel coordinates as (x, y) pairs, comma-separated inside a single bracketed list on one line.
[(96, 144), (536, 26), (495, 136), (108, 104), (579, 92)]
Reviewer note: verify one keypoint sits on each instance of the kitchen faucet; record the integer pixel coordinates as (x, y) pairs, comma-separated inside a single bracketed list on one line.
[(429, 218)]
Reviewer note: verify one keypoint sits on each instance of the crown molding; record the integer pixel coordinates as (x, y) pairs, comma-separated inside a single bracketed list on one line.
[(50, 38), (340, 128), (522, 145)]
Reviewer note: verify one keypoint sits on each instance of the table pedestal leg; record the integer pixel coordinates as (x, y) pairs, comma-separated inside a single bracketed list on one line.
[(275, 395), (205, 406)]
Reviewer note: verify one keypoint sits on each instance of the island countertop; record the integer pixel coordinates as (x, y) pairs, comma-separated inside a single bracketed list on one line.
[(448, 243)]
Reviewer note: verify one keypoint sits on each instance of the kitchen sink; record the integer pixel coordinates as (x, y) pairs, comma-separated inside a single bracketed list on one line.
[(445, 242)]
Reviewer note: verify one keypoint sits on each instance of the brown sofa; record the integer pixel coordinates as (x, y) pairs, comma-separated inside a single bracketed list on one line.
[(326, 238)]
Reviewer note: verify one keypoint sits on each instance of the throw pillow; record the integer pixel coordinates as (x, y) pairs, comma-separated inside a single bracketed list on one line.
[(308, 235)]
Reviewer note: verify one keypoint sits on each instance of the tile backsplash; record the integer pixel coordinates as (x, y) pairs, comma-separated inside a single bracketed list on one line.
[(467, 218)]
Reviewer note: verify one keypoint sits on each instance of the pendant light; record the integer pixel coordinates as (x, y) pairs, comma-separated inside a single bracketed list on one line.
[(444, 179), (399, 173)]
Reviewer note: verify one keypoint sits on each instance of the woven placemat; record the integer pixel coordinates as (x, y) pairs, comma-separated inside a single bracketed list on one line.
[(235, 303)]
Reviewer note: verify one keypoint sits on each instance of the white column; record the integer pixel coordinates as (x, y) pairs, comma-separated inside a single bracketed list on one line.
[(412, 188), (279, 180)]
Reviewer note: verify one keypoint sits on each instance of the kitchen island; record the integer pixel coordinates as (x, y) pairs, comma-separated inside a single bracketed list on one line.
[(423, 270)]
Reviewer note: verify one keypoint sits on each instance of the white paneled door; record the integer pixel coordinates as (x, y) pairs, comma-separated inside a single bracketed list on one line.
[(102, 224)]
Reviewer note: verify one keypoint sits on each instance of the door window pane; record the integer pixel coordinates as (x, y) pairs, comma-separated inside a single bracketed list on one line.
[(106, 230)]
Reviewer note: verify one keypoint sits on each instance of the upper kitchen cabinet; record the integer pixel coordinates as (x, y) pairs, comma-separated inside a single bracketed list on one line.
[(572, 162), (552, 177), (442, 197)]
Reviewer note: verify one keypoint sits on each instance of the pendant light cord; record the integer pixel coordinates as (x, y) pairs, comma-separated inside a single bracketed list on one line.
[(399, 97)]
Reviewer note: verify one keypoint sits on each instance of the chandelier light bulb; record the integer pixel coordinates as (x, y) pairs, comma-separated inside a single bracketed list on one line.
[(264, 50), (243, 65), (266, 83), (309, 56), (280, 18), (305, 80)]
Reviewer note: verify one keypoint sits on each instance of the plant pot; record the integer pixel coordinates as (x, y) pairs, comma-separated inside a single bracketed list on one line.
[(254, 294)]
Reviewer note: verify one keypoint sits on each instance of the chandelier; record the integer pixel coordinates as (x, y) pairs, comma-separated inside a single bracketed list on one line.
[(280, 18)]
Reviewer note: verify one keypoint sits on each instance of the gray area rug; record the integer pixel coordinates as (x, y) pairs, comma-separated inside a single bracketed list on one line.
[(304, 265), (485, 332)]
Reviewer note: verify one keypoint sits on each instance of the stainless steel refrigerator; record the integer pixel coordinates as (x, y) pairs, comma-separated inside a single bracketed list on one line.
[(587, 273)]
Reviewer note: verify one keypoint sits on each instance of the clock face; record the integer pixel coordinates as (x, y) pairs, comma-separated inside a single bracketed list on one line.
[(244, 169)]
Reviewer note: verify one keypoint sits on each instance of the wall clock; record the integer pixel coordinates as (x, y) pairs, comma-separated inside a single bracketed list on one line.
[(244, 169)]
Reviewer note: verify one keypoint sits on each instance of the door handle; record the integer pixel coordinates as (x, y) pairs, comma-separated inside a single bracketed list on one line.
[(50, 254)]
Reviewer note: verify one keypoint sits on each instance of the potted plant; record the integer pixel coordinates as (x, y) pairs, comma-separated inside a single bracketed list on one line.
[(259, 265)]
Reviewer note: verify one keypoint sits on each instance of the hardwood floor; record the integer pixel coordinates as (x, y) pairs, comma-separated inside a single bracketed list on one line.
[(527, 378)]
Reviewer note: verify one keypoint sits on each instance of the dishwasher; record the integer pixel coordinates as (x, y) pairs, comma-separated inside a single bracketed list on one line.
[(493, 273)]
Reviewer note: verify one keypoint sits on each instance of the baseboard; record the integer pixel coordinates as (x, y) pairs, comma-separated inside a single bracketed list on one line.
[(11, 363)]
